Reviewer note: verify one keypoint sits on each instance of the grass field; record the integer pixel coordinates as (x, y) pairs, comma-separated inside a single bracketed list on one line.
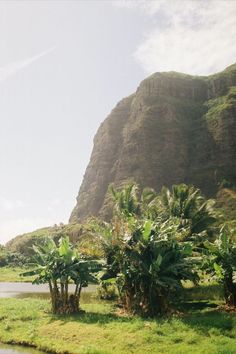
[(12, 274), (201, 329)]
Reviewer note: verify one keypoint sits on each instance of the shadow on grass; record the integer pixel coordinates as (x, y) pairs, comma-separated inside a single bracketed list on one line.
[(204, 292), (202, 316), (204, 322), (89, 317), (191, 306), (206, 318)]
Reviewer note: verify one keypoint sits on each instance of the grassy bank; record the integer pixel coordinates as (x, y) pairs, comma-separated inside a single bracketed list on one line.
[(100, 330), (12, 274)]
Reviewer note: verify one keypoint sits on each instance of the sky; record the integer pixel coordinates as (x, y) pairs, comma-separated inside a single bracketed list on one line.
[(64, 65)]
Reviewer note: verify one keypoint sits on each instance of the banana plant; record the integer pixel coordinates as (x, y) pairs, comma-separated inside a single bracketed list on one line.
[(148, 244), (220, 262), (149, 265), (58, 266)]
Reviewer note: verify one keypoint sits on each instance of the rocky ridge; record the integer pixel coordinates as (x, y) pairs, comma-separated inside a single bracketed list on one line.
[(175, 128)]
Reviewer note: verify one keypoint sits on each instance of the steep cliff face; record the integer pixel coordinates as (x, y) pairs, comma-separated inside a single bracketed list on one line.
[(175, 128)]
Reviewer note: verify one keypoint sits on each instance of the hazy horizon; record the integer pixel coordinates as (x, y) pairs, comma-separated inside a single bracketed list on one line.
[(65, 65)]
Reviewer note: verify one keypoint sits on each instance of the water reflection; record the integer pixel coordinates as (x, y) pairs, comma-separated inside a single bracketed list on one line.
[(26, 290), (86, 297)]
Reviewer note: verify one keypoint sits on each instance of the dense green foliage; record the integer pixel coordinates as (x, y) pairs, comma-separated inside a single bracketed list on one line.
[(187, 204), (12, 259), (221, 263), (150, 265), (218, 105), (148, 244)]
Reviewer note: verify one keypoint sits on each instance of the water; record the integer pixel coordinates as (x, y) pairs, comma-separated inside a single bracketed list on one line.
[(16, 349), (25, 290)]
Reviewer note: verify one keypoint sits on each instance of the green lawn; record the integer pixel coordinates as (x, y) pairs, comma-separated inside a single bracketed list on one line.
[(200, 329), (12, 274)]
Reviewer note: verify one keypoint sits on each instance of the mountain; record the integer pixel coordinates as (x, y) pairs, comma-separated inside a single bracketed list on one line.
[(175, 128)]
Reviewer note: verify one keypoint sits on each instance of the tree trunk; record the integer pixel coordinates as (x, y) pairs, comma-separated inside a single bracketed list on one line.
[(157, 302), (230, 290), (62, 303), (162, 305)]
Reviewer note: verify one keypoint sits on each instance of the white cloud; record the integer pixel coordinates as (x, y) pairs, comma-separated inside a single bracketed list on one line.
[(196, 37), (12, 68)]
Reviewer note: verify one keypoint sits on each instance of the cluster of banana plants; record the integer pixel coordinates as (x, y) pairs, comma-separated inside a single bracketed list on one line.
[(152, 242), (60, 265), (155, 242), (148, 264)]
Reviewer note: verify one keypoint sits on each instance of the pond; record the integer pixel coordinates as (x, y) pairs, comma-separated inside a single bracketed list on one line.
[(24, 290), (16, 349)]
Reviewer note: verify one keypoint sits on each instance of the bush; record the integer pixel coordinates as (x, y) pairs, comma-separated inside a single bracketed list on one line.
[(107, 290)]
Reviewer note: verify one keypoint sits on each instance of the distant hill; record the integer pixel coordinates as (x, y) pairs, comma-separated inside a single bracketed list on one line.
[(23, 243), (175, 128)]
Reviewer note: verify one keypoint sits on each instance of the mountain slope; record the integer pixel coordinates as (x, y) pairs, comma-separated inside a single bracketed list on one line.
[(175, 128)]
